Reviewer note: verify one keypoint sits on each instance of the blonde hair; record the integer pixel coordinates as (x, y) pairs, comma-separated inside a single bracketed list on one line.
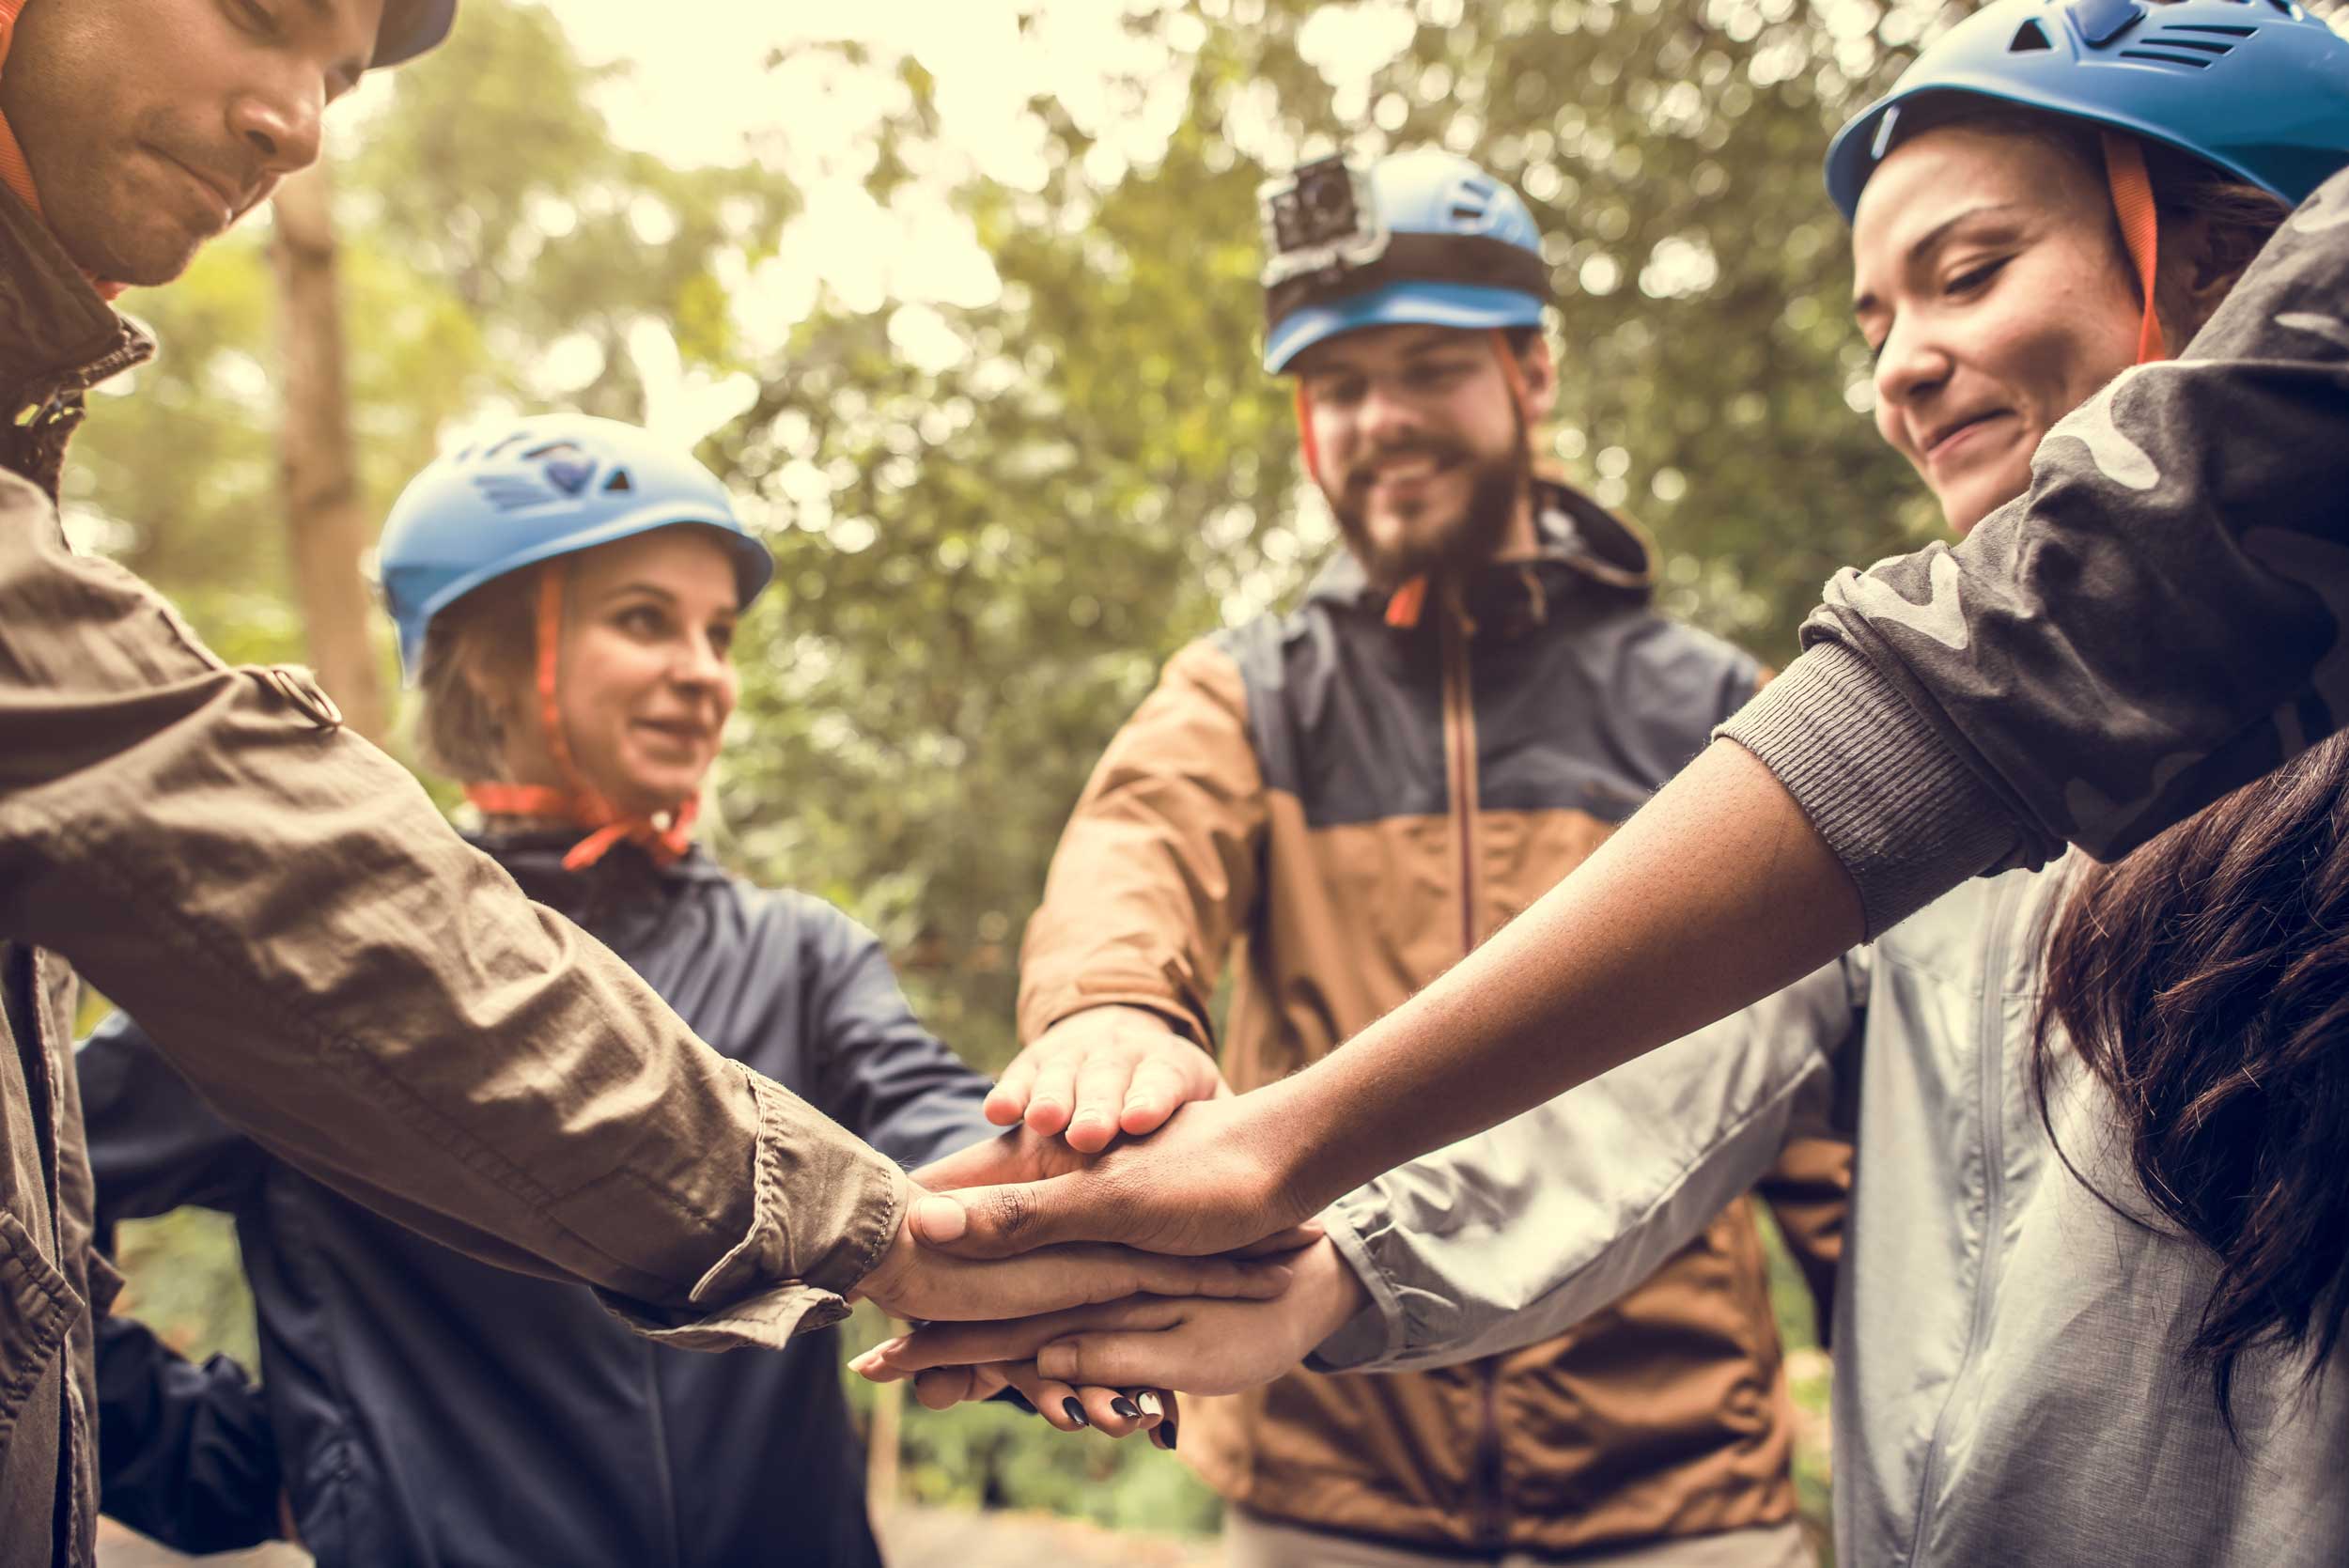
[(478, 662)]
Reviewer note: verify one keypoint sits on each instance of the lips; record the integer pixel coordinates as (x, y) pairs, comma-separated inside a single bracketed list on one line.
[(1943, 435), (1415, 468), (217, 193)]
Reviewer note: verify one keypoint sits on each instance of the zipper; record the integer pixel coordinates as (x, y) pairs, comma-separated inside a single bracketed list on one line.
[(1459, 725), (1990, 1076), (1488, 1516)]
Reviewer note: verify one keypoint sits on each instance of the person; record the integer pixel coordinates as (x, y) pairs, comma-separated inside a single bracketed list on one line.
[(1344, 800), (2233, 549), (575, 662), (2092, 1302), (325, 962)]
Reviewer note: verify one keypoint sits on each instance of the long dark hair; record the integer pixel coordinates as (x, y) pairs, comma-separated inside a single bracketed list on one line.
[(2204, 980)]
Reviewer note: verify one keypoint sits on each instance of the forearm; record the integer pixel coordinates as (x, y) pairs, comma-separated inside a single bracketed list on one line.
[(1519, 1233), (1715, 895)]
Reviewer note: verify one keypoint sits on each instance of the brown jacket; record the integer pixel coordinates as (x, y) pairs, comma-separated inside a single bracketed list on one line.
[(1346, 809), (332, 968)]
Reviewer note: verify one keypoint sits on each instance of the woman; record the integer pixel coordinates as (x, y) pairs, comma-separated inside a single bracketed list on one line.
[(2092, 1303), (566, 594)]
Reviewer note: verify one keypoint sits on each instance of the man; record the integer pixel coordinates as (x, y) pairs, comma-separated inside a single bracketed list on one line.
[(326, 962), (1345, 801)]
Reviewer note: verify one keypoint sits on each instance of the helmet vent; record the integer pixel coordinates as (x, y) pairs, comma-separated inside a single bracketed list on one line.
[(2029, 35), (619, 483), (2162, 57)]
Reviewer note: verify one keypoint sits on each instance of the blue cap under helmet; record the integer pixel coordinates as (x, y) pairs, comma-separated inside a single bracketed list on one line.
[(1432, 239), (2257, 87), (532, 489), (409, 27)]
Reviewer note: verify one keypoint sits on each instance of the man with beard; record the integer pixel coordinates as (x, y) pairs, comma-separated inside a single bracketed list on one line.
[(1345, 799)]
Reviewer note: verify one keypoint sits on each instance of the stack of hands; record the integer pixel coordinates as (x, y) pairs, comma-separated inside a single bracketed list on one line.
[(1133, 1235)]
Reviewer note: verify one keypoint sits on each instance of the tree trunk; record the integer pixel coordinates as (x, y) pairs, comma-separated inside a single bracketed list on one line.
[(318, 474)]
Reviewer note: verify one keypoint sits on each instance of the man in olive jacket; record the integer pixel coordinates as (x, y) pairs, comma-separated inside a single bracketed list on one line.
[(324, 959)]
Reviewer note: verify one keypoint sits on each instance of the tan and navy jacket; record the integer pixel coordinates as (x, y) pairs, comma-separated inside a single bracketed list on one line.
[(1337, 809)]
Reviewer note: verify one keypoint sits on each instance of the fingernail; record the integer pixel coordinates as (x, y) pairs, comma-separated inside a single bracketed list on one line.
[(1150, 1406), (1163, 1434), (939, 1219), (1125, 1408), (1014, 1397), (1076, 1412)]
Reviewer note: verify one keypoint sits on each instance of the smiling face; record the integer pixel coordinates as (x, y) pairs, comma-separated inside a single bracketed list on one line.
[(646, 681), (150, 126), (1423, 446), (1990, 282)]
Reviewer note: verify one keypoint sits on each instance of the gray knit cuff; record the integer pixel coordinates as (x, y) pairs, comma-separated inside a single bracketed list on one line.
[(1897, 805)]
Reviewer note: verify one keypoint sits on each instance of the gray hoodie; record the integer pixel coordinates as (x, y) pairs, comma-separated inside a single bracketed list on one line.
[(2009, 1379)]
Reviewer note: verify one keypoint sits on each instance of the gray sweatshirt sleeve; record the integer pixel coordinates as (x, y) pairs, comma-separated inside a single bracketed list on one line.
[(1514, 1236), (2157, 621)]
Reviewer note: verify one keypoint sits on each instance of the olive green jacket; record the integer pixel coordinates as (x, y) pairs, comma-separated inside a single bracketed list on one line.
[(334, 969)]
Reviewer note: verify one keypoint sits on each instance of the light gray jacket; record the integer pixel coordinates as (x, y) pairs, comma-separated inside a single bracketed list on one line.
[(2009, 1383)]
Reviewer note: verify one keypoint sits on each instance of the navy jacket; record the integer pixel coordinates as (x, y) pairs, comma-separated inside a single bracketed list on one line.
[(424, 1408)]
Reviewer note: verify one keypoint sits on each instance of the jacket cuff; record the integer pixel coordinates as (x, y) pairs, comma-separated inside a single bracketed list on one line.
[(827, 1207), (1896, 804), (1377, 1331)]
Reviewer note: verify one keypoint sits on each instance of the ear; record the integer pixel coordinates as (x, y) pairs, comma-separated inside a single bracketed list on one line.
[(1540, 368)]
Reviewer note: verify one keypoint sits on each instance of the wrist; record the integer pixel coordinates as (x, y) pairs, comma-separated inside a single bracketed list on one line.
[(1330, 1295)]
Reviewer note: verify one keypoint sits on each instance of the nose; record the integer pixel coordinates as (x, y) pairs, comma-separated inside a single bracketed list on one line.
[(698, 665), (1909, 367), (1388, 418), (279, 123)]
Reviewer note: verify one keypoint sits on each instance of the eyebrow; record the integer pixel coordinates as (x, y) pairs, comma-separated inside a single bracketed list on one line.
[(1933, 240)]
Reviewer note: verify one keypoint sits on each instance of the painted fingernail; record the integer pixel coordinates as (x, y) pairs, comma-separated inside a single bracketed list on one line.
[(1076, 1412), (1163, 1434), (1125, 1408), (1014, 1397), (1150, 1406)]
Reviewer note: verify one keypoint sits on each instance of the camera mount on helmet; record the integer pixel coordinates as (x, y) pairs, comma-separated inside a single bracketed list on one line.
[(1321, 220)]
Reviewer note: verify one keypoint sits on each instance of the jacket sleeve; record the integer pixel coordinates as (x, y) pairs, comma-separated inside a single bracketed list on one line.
[(185, 1453), (1610, 1180), (1158, 866), (336, 972), (1969, 709), (880, 1072)]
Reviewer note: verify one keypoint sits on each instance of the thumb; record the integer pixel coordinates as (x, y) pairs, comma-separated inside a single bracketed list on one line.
[(997, 1222)]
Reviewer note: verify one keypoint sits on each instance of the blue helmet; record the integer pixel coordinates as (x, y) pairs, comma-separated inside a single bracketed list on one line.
[(2258, 87), (537, 488), (409, 27), (1422, 237)]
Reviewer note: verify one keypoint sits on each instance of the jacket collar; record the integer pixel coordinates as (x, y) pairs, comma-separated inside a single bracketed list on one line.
[(1583, 545), (535, 859), (58, 337)]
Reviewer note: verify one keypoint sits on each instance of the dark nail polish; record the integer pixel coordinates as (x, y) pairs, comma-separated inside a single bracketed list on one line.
[(1125, 1408), (1013, 1397), (1163, 1434), (1076, 1412)]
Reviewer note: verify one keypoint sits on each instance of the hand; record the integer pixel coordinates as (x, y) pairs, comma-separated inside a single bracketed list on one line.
[(1203, 1347), (1110, 1411), (912, 1280), (1104, 1071), (1214, 1179)]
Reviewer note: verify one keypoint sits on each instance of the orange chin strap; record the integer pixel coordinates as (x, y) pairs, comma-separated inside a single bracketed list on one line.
[(665, 841), (2140, 232), (1407, 602), (14, 171)]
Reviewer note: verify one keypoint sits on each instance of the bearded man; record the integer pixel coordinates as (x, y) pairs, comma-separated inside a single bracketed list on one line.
[(1344, 800)]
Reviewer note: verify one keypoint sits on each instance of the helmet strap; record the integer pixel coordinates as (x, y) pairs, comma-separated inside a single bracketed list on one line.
[(665, 837), (2140, 232)]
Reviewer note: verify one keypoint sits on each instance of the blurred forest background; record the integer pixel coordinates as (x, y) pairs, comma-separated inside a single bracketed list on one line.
[(995, 400)]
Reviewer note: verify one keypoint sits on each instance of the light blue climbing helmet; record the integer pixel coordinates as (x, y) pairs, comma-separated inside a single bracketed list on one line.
[(1423, 237), (2258, 87), (531, 490)]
